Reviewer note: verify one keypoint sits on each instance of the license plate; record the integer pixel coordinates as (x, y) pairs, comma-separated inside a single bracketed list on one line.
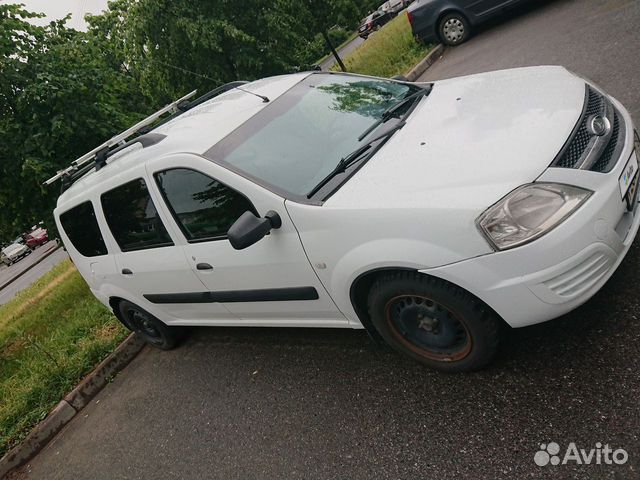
[(632, 193), (629, 176)]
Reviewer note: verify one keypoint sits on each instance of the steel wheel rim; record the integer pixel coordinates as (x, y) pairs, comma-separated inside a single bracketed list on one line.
[(142, 324), (453, 29), (428, 328)]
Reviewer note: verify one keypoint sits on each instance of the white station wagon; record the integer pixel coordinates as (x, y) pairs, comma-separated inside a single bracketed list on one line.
[(432, 215)]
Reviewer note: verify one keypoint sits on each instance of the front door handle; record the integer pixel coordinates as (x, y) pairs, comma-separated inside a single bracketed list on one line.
[(126, 271), (204, 266)]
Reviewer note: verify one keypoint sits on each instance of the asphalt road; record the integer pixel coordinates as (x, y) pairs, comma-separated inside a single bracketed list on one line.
[(330, 61), (25, 280), (254, 404), (599, 39), (8, 272)]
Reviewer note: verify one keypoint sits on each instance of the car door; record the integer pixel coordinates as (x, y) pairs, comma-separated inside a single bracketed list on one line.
[(269, 283), (485, 8), (481, 8), (149, 263)]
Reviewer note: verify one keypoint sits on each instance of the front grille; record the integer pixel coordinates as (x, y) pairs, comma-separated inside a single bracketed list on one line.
[(576, 152)]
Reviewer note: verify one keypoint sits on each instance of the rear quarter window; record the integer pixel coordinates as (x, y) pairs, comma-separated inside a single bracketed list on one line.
[(81, 226), (132, 217)]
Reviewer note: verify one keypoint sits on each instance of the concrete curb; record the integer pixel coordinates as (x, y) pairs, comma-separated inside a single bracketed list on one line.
[(425, 63), (75, 401), (15, 277)]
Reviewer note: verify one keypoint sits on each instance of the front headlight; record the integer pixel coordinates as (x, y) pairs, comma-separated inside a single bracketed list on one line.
[(529, 212)]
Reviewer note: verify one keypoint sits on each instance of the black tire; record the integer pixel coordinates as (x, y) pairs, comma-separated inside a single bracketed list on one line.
[(453, 29), (434, 321), (152, 330)]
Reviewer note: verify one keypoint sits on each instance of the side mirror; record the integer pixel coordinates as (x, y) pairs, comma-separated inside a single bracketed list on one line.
[(248, 229)]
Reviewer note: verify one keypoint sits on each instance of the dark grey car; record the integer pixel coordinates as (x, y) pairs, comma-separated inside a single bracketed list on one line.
[(451, 21)]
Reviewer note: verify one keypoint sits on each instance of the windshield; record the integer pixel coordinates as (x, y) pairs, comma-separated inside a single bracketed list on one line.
[(295, 141)]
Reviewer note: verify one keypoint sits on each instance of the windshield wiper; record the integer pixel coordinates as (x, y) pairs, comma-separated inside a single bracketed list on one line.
[(393, 109), (356, 155)]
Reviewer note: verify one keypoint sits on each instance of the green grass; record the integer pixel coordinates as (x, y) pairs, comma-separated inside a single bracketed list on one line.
[(391, 51), (51, 335)]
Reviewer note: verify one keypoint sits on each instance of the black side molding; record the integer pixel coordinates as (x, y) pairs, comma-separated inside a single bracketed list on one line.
[(234, 296)]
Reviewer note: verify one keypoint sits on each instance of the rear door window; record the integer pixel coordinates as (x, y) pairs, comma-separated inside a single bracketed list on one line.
[(81, 226), (203, 208), (132, 217)]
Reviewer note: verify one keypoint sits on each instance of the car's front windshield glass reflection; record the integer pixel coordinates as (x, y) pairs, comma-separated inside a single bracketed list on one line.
[(296, 140)]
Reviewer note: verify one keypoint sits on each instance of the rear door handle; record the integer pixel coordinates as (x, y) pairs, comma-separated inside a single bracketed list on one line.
[(126, 271), (204, 266)]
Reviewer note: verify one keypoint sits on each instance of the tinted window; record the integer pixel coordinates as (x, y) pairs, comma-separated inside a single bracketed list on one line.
[(133, 218), (203, 207), (299, 137), (81, 227)]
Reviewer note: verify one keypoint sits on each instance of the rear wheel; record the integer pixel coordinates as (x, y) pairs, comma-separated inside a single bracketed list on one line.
[(434, 322), (453, 29), (152, 330)]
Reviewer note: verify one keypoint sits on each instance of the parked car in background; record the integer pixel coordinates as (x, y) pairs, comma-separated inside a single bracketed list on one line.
[(36, 237), (392, 6), (451, 21), (374, 22), (14, 253)]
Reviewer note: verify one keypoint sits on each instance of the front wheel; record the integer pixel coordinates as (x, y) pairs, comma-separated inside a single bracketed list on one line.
[(152, 330), (434, 322), (453, 29)]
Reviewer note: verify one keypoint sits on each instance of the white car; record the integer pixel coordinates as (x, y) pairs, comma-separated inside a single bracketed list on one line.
[(432, 215), (393, 6), (14, 253)]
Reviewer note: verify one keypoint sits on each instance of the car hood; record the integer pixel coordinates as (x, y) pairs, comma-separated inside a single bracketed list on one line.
[(470, 142)]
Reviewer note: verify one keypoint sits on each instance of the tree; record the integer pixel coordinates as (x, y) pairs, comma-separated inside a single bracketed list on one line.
[(324, 14), (176, 46), (61, 95), (63, 92)]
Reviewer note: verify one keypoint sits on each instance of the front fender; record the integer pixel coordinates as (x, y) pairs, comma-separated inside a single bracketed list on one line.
[(376, 255)]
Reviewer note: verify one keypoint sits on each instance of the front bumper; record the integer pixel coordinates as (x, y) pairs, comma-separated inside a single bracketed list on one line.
[(558, 272)]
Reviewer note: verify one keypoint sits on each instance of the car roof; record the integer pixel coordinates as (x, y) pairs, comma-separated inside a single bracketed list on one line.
[(194, 131)]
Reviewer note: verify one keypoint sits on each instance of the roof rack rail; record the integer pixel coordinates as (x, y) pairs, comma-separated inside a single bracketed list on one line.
[(145, 140), (100, 154), (186, 105), (118, 139)]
